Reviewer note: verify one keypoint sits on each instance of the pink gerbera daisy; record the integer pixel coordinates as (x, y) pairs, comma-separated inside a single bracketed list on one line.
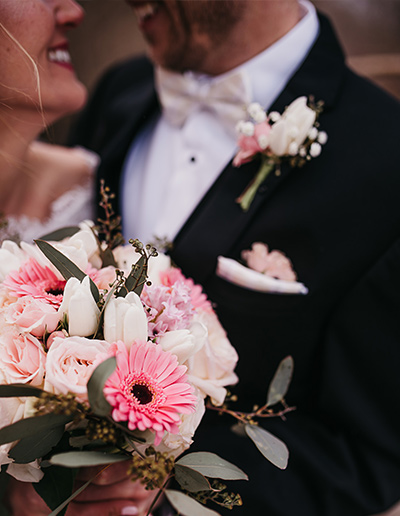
[(149, 389), (38, 281)]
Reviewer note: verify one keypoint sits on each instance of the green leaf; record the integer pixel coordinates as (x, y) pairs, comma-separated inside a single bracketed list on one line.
[(61, 233), (136, 279), (56, 486), (280, 382), (31, 425), (60, 508), (79, 459), (107, 258), (210, 465), (95, 386), (36, 445), (67, 268), (186, 506), (191, 480), (270, 446), (19, 390)]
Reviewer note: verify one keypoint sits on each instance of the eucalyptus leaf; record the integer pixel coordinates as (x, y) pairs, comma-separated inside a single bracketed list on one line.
[(19, 390), (62, 506), (186, 506), (36, 446), (95, 386), (213, 466), (79, 459), (191, 480), (280, 382), (56, 486), (61, 233), (136, 279), (270, 446), (67, 268), (32, 425), (107, 258)]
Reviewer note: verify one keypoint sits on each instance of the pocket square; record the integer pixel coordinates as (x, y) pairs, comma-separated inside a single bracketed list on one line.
[(234, 272)]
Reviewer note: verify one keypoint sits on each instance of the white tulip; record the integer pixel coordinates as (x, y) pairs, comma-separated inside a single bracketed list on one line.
[(125, 319), (81, 308)]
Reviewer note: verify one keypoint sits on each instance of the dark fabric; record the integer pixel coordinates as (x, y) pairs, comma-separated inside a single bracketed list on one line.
[(338, 220)]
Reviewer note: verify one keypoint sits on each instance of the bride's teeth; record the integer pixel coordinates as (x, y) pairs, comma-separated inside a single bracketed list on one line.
[(60, 56), (144, 11)]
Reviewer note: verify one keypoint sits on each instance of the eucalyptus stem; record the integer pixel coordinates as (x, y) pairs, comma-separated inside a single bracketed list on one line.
[(246, 198)]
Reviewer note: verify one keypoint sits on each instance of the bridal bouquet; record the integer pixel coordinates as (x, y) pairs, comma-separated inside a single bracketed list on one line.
[(108, 354)]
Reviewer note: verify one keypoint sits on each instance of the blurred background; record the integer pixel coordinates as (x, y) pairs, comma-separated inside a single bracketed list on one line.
[(369, 31)]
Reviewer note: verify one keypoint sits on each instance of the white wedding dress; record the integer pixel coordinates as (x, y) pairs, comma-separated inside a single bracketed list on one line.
[(69, 209)]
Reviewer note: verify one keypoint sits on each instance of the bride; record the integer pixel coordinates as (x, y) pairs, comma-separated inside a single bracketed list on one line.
[(42, 187)]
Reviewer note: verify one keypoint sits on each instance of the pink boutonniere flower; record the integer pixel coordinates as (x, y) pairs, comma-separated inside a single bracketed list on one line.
[(293, 137)]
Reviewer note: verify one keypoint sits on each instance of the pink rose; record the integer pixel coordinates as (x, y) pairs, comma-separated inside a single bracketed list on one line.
[(22, 358), (251, 145), (33, 315), (70, 363)]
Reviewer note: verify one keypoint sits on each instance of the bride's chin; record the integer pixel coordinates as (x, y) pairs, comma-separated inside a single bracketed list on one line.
[(67, 102)]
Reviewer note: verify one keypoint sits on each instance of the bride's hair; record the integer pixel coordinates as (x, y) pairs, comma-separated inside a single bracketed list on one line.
[(35, 72)]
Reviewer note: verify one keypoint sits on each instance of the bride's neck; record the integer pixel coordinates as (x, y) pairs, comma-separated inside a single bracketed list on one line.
[(17, 176)]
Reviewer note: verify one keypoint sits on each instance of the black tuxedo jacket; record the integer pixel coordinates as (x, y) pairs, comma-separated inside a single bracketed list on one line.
[(338, 220)]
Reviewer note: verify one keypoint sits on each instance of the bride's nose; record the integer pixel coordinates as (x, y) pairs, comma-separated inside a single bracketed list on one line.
[(68, 13)]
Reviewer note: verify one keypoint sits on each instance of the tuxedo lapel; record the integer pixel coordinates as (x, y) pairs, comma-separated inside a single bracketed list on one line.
[(218, 221), (142, 107)]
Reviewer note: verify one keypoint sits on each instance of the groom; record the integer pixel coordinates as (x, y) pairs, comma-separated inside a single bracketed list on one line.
[(168, 158)]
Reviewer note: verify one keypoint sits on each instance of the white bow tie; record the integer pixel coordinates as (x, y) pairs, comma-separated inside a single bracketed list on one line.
[(181, 94)]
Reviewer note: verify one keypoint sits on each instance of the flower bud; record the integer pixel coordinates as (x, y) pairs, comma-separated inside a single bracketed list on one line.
[(80, 307), (125, 319)]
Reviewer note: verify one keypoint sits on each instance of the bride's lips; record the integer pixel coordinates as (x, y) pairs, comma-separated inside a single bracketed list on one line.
[(60, 55)]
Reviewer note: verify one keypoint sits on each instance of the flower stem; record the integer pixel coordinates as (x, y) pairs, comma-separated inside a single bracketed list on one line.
[(246, 198)]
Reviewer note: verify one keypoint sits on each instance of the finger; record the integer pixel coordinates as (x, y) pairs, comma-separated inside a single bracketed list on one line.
[(22, 499)]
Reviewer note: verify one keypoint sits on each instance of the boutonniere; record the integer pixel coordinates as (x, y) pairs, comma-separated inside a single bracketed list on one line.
[(261, 270), (292, 137)]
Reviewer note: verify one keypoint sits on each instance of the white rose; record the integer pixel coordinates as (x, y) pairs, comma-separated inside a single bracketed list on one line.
[(125, 319), (184, 343), (293, 126), (212, 368), (70, 363), (81, 308), (175, 444)]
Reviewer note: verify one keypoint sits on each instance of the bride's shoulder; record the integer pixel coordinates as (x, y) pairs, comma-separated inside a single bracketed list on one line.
[(62, 168)]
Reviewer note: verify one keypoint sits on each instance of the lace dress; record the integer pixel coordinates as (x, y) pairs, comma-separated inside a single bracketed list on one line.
[(69, 209)]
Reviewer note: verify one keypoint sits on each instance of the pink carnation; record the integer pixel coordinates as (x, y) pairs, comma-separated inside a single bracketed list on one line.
[(199, 300), (148, 389), (168, 308)]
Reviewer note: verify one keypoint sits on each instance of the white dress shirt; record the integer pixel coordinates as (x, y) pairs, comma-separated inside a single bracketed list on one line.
[(169, 169)]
